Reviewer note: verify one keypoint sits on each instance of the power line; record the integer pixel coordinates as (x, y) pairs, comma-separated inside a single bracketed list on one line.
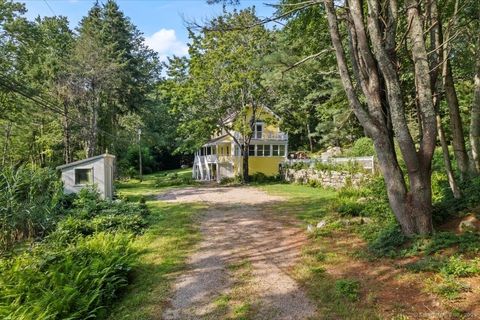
[(48, 5)]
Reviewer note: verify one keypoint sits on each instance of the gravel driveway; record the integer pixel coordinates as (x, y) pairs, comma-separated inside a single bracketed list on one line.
[(239, 225)]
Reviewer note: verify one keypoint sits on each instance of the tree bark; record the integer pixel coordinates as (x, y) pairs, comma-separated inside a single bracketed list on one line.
[(475, 113), (376, 71), (67, 149), (8, 132), (245, 171), (436, 86), (456, 126)]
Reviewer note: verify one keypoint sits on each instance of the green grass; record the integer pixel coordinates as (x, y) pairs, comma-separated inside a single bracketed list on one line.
[(165, 246), (335, 298), (308, 204), (133, 189)]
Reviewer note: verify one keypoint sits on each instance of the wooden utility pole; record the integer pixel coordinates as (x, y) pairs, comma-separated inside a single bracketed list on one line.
[(140, 155)]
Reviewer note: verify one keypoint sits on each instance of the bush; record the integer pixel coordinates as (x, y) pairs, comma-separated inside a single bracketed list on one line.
[(388, 242), (361, 147), (30, 202), (260, 177), (349, 207), (73, 282), (173, 179)]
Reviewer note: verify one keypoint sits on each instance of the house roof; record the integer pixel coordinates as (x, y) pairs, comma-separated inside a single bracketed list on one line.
[(215, 140), (76, 163)]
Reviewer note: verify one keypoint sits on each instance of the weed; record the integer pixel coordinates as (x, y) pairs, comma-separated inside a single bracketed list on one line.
[(348, 288), (458, 267), (447, 287)]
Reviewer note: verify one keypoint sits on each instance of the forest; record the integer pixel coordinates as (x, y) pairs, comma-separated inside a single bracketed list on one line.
[(397, 79)]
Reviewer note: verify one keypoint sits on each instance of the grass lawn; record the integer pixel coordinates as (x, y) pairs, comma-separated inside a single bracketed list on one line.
[(336, 296), (164, 246)]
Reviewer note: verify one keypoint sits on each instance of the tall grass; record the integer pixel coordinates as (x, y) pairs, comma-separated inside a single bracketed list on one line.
[(29, 202)]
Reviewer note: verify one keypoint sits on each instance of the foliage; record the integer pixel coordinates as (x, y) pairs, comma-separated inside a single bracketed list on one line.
[(446, 287), (361, 147), (174, 179), (387, 243), (30, 203), (58, 281), (348, 288)]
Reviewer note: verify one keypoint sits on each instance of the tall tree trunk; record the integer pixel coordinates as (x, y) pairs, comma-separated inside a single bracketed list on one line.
[(411, 206), (67, 153), (309, 135), (456, 126), (93, 134), (245, 171), (475, 113), (8, 132), (436, 87)]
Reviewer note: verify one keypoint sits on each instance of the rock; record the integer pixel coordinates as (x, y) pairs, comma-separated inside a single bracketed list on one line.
[(310, 228), (467, 226), (184, 166), (321, 224)]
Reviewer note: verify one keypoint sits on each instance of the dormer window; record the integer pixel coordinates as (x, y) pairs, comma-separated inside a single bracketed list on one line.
[(258, 130)]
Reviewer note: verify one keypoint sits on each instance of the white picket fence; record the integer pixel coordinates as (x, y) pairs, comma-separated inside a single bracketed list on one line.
[(368, 163)]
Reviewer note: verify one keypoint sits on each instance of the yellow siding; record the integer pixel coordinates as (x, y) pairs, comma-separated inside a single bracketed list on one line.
[(265, 165)]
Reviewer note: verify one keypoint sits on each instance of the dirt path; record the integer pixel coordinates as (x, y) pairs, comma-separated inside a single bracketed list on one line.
[(237, 230)]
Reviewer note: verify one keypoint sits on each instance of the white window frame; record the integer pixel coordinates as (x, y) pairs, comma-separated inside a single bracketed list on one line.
[(256, 132), (75, 176)]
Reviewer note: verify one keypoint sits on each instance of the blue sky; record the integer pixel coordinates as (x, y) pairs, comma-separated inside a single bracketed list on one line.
[(161, 21)]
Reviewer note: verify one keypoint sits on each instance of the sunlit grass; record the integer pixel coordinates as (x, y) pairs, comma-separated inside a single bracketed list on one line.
[(310, 205), (165, 246)]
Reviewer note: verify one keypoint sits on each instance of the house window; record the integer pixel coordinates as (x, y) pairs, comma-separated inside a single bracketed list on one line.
[(281, 150), (228, 150), (266, 150), (83, 176), (259, 150), (275, 150), (258, 130), (251, 150)]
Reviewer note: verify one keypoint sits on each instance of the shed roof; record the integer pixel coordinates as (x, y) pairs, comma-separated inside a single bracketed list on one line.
[(76, 163)]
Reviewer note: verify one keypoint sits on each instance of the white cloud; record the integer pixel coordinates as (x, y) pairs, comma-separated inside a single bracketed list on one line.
[(165, 42)]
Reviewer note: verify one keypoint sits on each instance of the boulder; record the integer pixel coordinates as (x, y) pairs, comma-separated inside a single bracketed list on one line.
[(321, 224), (469, 224)]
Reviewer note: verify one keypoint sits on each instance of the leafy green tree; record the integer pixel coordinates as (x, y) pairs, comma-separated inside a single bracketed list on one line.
[(225, 80)]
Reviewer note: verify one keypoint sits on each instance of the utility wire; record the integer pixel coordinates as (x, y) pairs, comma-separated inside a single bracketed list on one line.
[(48, 5)]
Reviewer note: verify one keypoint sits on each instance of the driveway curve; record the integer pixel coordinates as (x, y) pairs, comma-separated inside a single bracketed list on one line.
[(239, 227)]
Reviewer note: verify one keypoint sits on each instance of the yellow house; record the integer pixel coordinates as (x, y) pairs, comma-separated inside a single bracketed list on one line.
[(221, 157)]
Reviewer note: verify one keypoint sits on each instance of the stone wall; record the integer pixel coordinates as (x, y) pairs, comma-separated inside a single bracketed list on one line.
[(324, 178)]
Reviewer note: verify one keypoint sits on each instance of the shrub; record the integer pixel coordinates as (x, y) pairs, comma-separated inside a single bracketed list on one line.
[(30, 203), (260, 177), (173, 179), (231, 180), (388, 242), (361, 147), (350, 207), (73, 282)]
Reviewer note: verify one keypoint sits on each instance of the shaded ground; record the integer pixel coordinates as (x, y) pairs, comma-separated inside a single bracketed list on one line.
[(237, 231)]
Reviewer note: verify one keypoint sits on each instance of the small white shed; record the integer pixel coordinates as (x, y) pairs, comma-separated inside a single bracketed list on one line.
[(98, 171)]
